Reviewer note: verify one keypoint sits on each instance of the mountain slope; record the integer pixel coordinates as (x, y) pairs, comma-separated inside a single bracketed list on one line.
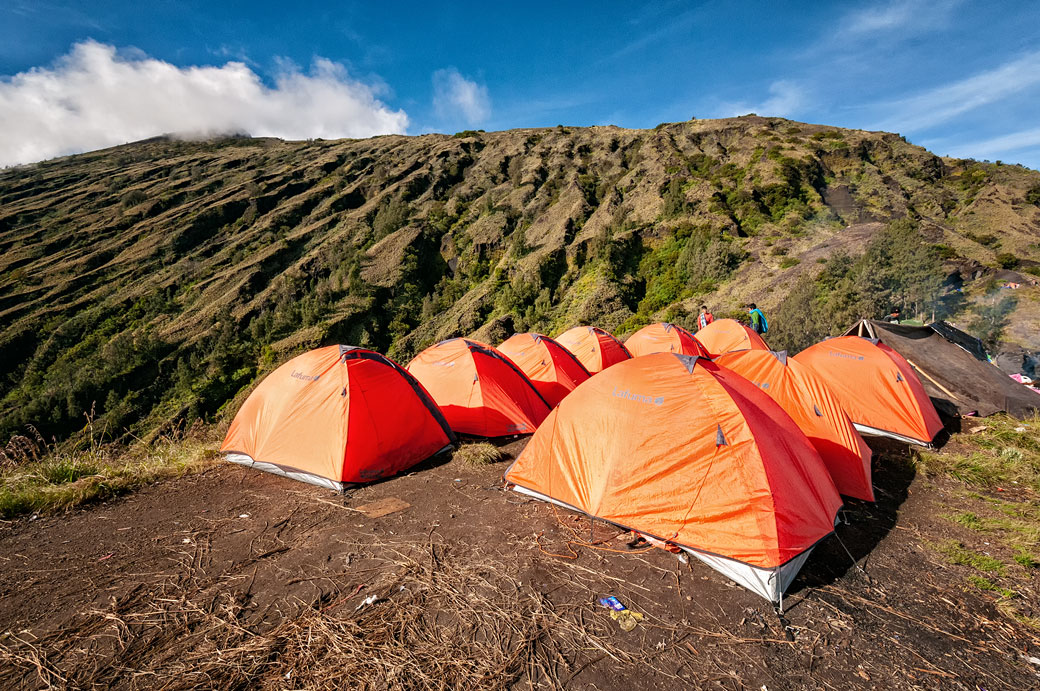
[(155, 281)]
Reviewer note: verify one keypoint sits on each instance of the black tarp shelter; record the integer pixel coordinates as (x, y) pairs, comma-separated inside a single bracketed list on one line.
[(953, 367)]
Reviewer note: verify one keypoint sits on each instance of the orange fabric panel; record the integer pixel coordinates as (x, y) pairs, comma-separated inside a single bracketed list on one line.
[(478, 389), (552, 369), (875, 386), (313, 414), (726, 335), (595, 349), (816, 411), (664, 338), (638, 446)]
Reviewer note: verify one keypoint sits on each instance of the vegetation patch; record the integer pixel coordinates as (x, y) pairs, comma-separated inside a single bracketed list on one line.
[(957, 553), (479, 453), (36, 478), (1005, 453)]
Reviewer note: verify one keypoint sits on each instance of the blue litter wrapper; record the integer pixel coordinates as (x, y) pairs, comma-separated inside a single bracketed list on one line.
[(612, 603)]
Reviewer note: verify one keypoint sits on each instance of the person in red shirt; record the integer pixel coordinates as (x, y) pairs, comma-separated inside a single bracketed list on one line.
[(704, 318)]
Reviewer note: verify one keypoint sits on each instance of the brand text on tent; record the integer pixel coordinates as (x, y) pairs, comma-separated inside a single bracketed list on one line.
[(637, 398), (845, 356)]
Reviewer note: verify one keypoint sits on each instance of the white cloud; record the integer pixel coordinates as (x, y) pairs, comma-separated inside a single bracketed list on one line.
[(883, 18), (946, 102), (902, 15), (456, 98), (990, 148), (94, 97), (785, 99)]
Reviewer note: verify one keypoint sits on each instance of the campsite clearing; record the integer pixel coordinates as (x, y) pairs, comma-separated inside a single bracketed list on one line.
[(237, 578)]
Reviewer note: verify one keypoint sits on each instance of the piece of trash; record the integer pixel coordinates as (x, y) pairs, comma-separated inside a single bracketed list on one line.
[(383, 507), (683, 558), (976, 430), (1020, 429), (186, 540), (34, 517), (626, 619), (370, 600), (107, 556), (243, 515), (1000, 489)]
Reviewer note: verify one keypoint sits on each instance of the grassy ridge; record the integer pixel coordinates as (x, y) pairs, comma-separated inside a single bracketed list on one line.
[(156, 282)]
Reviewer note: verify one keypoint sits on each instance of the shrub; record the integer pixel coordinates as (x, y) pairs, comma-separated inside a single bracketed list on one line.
[(1006, 260), (390, 217), (133, 198), (1033, 195)]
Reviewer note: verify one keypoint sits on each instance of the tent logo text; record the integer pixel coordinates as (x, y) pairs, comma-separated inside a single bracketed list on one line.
[(844, 355), (304, 377), (637, 398)]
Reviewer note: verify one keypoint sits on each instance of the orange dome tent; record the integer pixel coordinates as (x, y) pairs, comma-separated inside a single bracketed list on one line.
[(664, 338), (480, 391), (595, 348), (816, 411), (334, 416), (726, 335), (552, 369), (876, 386), (688, 453)]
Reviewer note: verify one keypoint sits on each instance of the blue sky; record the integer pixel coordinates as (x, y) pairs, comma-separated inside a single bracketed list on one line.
[(961, 78)]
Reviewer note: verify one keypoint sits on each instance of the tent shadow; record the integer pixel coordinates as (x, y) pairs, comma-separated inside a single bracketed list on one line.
[(511, 445), (868, 523), (442, 457)]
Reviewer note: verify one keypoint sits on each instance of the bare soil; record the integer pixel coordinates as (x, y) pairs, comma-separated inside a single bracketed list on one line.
[(234, 578)]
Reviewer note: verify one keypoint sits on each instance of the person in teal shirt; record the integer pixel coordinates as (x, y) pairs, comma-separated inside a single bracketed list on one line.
[(758, 319)]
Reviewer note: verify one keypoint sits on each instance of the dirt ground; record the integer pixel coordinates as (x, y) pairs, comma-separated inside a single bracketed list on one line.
[(234, 578)]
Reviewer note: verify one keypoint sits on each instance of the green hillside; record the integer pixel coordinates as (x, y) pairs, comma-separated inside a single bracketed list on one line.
[(155, 282)]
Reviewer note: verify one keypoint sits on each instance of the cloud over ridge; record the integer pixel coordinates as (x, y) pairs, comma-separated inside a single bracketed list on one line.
[(457, 98), (93, 97)]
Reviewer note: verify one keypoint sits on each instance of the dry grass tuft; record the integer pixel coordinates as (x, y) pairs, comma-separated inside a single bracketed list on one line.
[(479, 453), (437, 623)]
